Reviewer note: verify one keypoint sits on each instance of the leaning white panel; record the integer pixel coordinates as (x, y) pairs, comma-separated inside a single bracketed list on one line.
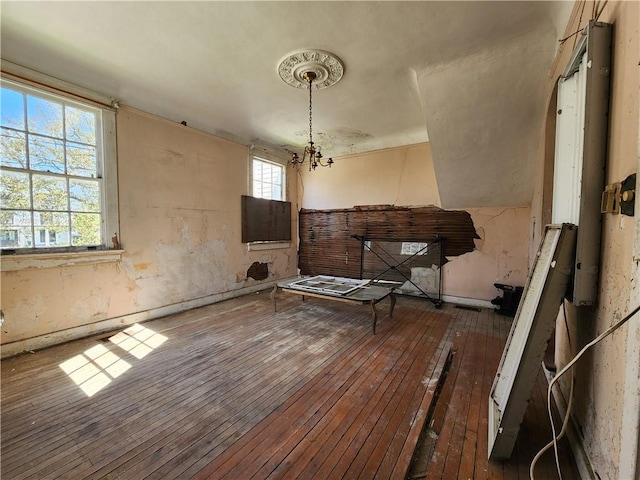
[(527, 340)]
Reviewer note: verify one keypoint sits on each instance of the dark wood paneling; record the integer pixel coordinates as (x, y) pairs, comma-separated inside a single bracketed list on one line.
[(327, 248)]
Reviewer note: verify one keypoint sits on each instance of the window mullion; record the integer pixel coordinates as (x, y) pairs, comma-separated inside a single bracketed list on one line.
[(32, 212), (66, 172), (28, 166), (69, 229)]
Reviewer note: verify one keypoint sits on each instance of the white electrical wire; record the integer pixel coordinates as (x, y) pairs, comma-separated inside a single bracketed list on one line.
[(567, 414), (565, 422), (554, 442)]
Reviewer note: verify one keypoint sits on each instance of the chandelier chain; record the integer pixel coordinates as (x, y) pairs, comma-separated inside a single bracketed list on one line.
[(310, 151), (310, 113)]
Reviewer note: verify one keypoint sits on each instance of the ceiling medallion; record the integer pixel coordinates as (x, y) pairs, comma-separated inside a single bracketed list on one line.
[(328, 68), (311, 69)]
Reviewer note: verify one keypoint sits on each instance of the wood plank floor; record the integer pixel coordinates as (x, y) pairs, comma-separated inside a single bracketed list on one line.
[(234, 390), (455, 444)]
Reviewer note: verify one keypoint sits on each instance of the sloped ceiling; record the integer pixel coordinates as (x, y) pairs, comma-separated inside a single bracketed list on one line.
[(467, 76)]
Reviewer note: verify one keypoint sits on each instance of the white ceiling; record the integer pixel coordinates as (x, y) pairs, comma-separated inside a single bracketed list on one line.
[(471, 74)]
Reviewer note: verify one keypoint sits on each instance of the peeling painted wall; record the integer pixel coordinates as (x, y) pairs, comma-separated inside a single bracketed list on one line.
[(405, 177), (600, 374), (500, 256), (180, 224)]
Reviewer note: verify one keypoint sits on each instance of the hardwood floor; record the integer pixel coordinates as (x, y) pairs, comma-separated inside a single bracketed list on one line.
[(234, 390)]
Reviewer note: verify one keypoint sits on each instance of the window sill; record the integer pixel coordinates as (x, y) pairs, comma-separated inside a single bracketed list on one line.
[(258, 246), (12, 263)]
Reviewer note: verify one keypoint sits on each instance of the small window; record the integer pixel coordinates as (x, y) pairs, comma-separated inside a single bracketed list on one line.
[(8, 238), (52, 171), (268, 180)]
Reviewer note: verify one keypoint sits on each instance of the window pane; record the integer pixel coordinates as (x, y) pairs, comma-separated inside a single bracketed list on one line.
[(13, 150), (44, 116), (85, 228), (80, 125), (81, 160), (15, 229), (266, 172), (12, 104), (85, 195), (55, 227), (46, 154), (49, 193), (267, 180), (14, 190)]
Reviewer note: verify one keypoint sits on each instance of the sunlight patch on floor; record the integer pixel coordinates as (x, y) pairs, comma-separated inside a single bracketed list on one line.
[(139, 341), (98, 366)]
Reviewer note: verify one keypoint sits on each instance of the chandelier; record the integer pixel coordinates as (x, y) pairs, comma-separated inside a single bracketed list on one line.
[(311, 69), (315, 156)]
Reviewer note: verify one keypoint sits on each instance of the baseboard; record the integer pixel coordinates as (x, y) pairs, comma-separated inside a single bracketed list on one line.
[(575, 440), (473, 302), (62, 336)]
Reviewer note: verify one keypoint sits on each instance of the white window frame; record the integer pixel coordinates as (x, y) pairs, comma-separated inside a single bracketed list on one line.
[(260, 246), (259, 158), (26, 79)]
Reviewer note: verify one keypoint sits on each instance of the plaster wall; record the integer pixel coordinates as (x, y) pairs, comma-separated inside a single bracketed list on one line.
[(600, 375), (401, 176), (501, 254), (180, 228), (405, 177)]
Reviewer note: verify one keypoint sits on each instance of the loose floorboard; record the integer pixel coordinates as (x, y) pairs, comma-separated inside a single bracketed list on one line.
[(234, 390)]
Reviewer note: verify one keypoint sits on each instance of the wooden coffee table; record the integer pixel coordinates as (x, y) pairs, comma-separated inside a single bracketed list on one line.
[(341, 289)]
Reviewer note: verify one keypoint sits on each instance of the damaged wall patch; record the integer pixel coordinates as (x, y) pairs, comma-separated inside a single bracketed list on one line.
[(258, 271)]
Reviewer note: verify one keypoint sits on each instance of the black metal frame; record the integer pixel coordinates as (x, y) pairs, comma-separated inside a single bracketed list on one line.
[(396, 267)]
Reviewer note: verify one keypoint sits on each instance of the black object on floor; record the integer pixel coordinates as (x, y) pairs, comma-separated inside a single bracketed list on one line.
[(509, 301)]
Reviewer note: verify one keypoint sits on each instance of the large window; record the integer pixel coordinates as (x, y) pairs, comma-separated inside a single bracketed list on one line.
[(268, 179), (52, 164)]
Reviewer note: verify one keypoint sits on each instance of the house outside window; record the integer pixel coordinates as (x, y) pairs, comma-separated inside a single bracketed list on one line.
[(52, 172), (268, 179)]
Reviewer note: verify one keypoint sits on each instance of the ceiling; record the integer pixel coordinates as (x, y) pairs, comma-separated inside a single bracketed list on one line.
[(467, 76)]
